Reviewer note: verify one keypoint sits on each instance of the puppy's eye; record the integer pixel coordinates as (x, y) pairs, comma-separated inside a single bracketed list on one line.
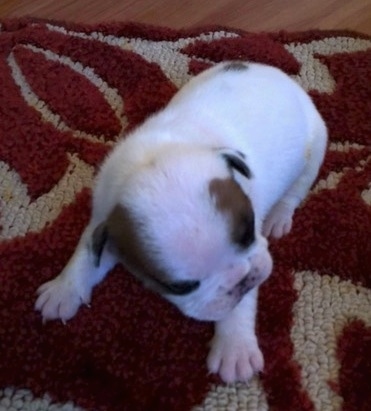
[(182, 287), (245, 234)]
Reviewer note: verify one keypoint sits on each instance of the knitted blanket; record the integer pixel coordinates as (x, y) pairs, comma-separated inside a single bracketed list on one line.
[(67, 93)]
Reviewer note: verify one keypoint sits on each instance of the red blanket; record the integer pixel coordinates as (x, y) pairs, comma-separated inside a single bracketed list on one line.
[(67, 92)]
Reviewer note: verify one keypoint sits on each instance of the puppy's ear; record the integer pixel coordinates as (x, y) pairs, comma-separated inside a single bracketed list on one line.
[(99, 239), (236, 161)]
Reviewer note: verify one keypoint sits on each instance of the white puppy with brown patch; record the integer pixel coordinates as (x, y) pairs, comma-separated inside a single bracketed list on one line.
[(187, 200)]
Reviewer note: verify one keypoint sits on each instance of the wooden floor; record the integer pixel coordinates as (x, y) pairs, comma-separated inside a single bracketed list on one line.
[(252, 15)]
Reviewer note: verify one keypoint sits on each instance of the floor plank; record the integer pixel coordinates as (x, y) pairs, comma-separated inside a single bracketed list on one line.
[(260, 15)]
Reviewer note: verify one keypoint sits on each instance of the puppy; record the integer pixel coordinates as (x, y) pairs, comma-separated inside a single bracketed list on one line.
[(187, 201)]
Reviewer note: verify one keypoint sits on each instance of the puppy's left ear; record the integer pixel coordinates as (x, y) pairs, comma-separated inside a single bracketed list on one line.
[(98, 241), (236, 161)]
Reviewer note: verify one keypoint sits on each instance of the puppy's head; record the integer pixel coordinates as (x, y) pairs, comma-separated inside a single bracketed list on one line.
[(184, 226)]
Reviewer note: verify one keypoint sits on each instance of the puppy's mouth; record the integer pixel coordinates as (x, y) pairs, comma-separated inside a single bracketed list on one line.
[(243, 287), (220, 307), (211, 316)]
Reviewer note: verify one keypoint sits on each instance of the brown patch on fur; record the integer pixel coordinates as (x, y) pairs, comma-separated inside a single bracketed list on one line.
[(230, 199), (124, 230), (235, 66)]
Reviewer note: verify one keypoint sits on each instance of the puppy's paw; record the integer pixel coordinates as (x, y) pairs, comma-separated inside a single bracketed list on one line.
[(60, 298), (235, 358), (279, 220)]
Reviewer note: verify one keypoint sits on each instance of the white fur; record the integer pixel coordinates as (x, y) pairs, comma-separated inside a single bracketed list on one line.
[(162, 172)]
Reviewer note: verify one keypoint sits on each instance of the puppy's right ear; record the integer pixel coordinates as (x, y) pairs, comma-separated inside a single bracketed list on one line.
[(236, 161), (99, 239)]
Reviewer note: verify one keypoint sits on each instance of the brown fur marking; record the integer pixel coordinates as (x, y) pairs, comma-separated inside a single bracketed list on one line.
[(126, 233), (230, 199), (236, 66)]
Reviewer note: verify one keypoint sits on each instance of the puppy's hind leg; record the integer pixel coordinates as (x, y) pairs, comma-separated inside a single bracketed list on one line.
[(279, 220), (91, 261)]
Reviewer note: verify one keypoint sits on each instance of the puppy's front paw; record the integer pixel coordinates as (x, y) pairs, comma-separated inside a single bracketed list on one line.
[(60, 298), (235, 358), (279, 220)]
